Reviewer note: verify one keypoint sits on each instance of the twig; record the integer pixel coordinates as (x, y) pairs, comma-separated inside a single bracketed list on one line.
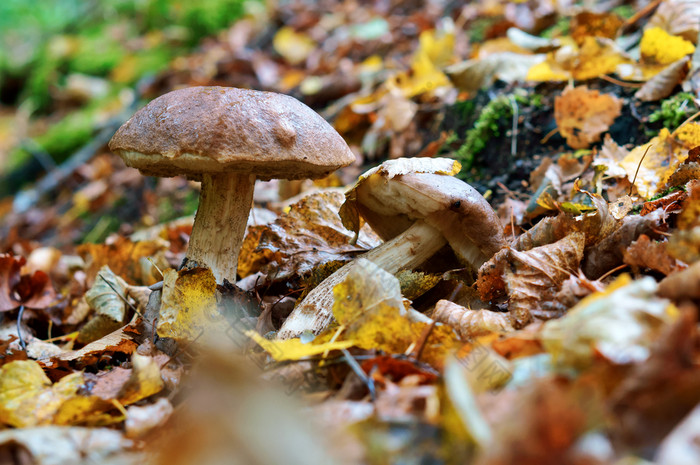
[(648, 9), (637, 172), (514, 130), (357, 369), (549, 135), (635, 85), (425, 335), (22, 342), (618, 268)]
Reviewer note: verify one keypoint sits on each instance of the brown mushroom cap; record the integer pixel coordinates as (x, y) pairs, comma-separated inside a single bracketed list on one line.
[(212, 130)]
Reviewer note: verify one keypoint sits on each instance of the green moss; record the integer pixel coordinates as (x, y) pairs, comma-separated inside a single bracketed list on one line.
[(560, 28), (674, 110), (624, 11)]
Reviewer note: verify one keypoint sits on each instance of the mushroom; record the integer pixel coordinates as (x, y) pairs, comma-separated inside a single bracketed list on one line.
[(417, 207), (227, 138)]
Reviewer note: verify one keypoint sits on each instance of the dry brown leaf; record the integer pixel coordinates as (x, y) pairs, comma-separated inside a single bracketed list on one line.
[(645, 253), (661, 85), (32, 291), (534, 277), (471, 323), (591, 24), (678, 17), (657, 394), (609, 251), (123, 257), (309, 235), (684, 284), (582, 115)]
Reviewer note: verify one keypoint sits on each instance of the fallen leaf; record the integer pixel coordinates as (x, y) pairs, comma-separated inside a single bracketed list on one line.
[(188, 304), (662, 85), (369, 306), (58, 445), (106, 298), (141, 420), (32, 291), (293, 46), (295, 349), (27, 397), (593, 24), (647, 254), (620, 323), (660, 47), (535, 276), (123, 258), (471, 323), (582, 115), (684, 284), (475, 74), (309, 235), (678, 17)]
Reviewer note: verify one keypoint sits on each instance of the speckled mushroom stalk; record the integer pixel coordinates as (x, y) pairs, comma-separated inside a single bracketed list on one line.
[(227, 138), (417, 207), (219, 226)]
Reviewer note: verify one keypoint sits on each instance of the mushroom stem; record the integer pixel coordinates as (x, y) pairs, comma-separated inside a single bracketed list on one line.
[(219, 225), (406, 251)]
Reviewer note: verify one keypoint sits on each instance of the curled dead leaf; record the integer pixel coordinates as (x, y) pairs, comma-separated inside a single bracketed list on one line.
[(471, 323)]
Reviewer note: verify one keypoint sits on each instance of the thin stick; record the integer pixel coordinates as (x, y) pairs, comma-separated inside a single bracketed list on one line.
[(648, 9), (424, 339), (637, 172), (549, 135), (635, 85), (618, 268), (685, 122), (360, 373), (22, 342)]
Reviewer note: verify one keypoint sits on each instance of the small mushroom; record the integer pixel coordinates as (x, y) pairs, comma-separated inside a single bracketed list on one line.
[(227, 138), (417, 206)]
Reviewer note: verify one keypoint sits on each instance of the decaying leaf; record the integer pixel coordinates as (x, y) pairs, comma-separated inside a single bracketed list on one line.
[(664, 153), (309, 235), (295, 349), (593, 24), (620, 323), (534, 276), (582, 115), (683, 284), (188, 304), (369, 306), (124, 259), (27, 397), (475, 74), (57, 445), (647, 254), (661, 85), (660, 47), (471, 323), (678, 17), (106, 298), (32, 291)]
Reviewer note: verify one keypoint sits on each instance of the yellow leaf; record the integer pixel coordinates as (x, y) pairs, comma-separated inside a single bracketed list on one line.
[(368, 303), (437, 46), (27, 397), (663, 157), (597, 56), (660, 47), (294, 349), (188, 304), (145, 380), (295, 47), (547, 71)]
